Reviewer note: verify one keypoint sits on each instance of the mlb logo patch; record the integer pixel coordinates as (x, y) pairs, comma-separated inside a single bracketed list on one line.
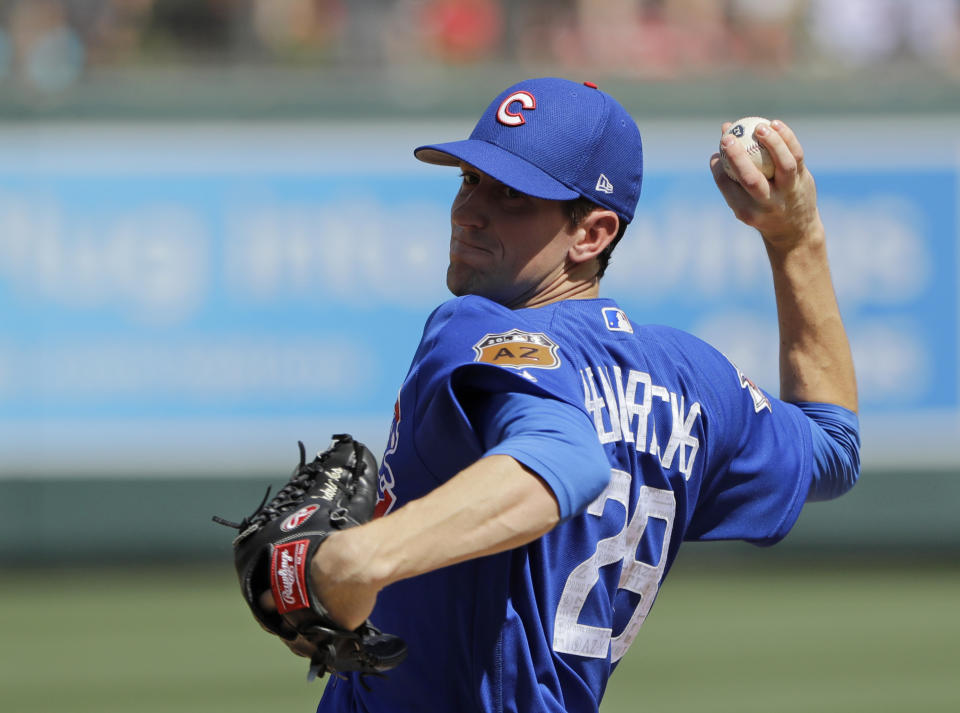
[(616, 320)]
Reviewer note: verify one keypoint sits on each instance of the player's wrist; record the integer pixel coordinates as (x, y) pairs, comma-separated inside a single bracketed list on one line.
[(339, 584), (807, 238), (345, 562)]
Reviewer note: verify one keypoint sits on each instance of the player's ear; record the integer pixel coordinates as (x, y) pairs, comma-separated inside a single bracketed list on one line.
[(596, 231)]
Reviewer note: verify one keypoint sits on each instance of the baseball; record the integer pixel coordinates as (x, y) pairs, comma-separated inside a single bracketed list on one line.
[(743, 129)]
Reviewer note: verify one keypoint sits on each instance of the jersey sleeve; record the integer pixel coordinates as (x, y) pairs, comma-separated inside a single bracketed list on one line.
[(553, 439), (760, 461), (472, 350), (835, 433)]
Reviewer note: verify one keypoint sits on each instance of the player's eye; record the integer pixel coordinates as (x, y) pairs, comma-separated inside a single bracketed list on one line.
[(469, 179), (512, 193)]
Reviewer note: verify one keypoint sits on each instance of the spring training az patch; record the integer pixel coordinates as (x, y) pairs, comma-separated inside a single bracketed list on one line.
[(518, 350)]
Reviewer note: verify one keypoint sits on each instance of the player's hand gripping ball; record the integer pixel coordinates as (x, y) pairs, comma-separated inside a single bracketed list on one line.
[(335, 491), (743, 130)]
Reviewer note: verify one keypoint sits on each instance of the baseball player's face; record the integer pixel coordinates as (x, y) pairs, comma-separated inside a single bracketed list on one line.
[(505, 245)]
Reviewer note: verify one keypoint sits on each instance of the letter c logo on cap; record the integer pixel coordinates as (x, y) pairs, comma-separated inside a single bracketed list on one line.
[(511, 118)]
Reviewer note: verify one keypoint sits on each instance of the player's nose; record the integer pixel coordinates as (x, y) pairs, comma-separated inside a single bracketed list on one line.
[(468, 210)]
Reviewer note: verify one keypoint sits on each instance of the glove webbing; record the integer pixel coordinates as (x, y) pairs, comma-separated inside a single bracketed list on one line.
[(292, 494)]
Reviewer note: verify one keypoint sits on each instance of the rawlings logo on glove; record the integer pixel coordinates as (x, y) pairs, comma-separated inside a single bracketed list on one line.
[(298, 518), (337, 490), (288, 579)]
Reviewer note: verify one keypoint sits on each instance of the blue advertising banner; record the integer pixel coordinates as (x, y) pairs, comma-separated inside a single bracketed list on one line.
[(199, 298)]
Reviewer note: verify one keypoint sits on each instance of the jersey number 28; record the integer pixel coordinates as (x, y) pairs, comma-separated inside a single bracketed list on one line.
[(572, 637)]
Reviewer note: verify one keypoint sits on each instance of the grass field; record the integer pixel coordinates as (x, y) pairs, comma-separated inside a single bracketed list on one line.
[(784, 639)]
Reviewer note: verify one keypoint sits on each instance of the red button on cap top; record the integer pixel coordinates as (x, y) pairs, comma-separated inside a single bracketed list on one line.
[(591, 85)]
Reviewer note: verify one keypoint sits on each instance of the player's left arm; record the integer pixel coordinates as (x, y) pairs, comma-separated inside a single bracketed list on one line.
[(543, 463), (491, 506)]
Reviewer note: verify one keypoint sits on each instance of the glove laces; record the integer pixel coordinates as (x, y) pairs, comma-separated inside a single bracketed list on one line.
[(291, 494)]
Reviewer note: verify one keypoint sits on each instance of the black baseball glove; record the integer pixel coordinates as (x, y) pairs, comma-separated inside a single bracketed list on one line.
[(337, 490)]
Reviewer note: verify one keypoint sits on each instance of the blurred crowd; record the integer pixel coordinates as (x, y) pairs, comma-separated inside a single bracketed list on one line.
[(49, 45)]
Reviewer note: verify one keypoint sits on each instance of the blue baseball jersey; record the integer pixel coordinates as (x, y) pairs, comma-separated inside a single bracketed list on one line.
[(695, 452)]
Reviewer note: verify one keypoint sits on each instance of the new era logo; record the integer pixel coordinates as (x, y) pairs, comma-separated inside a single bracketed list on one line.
[(604, 185)]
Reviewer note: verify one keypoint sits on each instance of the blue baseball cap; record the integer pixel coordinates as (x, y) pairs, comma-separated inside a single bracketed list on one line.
[(556, 139)]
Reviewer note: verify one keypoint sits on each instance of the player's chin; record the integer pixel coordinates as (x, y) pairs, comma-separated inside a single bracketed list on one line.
[(463, 279)]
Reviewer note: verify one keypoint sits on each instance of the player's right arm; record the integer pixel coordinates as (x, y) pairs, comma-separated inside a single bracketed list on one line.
[(815, 360), (493, 505)]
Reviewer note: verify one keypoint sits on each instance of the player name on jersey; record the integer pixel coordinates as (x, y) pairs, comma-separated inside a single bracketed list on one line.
[(627, 411)]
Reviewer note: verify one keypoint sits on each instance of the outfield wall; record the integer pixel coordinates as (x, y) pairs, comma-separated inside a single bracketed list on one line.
[(116, 520)]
